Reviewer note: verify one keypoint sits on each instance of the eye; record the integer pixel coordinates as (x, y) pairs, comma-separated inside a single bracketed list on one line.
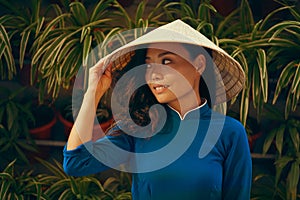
[(166, 61)]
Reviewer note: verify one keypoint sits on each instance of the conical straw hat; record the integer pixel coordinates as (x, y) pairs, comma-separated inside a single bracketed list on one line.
[(230, 76)]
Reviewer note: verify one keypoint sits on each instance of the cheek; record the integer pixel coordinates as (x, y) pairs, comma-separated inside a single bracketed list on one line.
[(190, 74), (169, 74), (147, 76)]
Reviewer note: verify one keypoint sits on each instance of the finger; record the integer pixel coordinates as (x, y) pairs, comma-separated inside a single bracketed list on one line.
[(108, 70), (100, 65)]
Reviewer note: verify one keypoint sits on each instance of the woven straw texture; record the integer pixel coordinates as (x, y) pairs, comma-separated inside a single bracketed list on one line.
[(230, 76)]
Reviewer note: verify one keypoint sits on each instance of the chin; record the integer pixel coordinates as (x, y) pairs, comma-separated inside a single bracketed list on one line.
[(164, 100), (161, 100)]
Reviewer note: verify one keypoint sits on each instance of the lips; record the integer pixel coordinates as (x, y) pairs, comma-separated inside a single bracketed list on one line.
[(160, 88)]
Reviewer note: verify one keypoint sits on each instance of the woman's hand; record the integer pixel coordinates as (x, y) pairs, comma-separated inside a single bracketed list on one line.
[(99, 79)]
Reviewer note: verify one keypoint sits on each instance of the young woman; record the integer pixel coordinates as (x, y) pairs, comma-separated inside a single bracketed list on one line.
[(177, 147)]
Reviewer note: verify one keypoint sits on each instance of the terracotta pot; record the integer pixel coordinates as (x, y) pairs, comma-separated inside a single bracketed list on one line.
[(66, 123), (43, 132)]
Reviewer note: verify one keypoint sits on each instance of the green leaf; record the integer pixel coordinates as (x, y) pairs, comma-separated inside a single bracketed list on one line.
[(84, 32), (256, 87), (293, 179), (4, 36), (10, 167), (36, 58), (295, 13), (268, 141), (277, 42), (222, 25), (288, 104), (296, 97), (295, 137), (280, 164), (247, 20), (50, 27), (65, 49), (267, 19), (255, 30), (7, 175), (5, 186), (204, 24), (55, 169), (39, 26), (57, 187), (23, 46), (279, 138), (7, 53), (26, 146), (123, 14), (231, 43), (20, 153), (140, 12), (204, 11), (279, 27), (97, 182), (244, 106), (79, 13), (100, 9), (96, 23), (284, 78), (66, 194), (99, 36), (12, 113), (157, 12), (2, 110), (262, 64), (86, 49), (188, 11), (38, 189), (73, 186), (296, 80)]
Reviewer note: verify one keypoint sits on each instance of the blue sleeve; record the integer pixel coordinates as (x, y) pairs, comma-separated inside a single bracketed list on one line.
[(87, 158), (237, 174)]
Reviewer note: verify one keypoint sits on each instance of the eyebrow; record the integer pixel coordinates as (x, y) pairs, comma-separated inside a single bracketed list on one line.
[(162, 54)]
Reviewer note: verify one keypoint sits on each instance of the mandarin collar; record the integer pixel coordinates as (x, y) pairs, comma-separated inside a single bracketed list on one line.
[(191, 113)]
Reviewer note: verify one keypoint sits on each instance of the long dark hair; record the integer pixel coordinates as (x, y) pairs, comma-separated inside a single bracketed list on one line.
[(142, 99), (207, 85)]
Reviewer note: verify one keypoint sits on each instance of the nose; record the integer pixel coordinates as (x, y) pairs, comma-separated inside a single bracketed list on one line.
[(156, 76), (154, 73)]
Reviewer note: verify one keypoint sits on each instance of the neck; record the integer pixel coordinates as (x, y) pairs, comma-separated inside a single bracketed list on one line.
[(182, 106)]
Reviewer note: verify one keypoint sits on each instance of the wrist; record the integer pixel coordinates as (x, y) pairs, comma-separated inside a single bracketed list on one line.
[(93, 96), (89, 95)]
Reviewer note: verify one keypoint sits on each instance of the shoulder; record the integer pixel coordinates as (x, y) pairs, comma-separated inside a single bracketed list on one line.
[(227, 124), (233, 125), (230, 128), (233, 134)]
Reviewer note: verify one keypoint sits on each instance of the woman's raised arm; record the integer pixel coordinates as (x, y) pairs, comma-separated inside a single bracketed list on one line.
[(99, 81)]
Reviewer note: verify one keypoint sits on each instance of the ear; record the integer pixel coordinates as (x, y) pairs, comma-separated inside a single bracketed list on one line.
[(200, 63)]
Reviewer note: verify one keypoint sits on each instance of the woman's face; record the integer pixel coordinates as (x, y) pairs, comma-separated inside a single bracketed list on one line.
[(171, 74)]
